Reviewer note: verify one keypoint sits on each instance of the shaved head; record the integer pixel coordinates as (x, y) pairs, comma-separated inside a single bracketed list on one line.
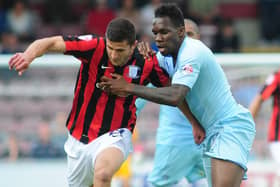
[(191, 29)]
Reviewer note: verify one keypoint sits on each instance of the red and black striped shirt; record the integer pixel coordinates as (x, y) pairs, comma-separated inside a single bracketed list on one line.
[(94, 112), (272, 88)]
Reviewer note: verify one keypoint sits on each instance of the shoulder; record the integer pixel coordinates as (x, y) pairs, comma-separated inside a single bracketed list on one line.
[(85, 38), (193, 49), (196, 46)]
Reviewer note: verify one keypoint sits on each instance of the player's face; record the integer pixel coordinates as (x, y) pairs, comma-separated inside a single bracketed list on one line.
[(119, 52), (167, 36), (191, 32)]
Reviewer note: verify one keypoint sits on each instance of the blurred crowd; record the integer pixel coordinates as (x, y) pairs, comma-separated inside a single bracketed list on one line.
[(44, 140), (22, 21)]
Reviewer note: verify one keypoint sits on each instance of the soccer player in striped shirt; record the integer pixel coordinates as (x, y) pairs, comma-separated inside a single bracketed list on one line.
[(271, 88), (99, 124)]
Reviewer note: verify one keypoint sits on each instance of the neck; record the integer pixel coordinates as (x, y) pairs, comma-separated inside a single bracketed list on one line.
[(176, 51)]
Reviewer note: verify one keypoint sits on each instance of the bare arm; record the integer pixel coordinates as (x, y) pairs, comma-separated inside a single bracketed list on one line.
[(198, 130), (184, 107), (255, 105), (172, 95), (21, 61)]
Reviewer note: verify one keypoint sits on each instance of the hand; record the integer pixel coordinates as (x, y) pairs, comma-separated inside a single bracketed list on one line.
[(198, 132), (19, 62), (145, 49), (116, 85)]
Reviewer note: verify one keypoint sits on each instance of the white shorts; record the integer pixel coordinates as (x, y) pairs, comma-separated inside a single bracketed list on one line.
[(274, 148), (81, 157)]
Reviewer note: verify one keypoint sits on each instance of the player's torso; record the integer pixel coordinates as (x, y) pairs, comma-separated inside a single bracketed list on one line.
[(95, 112), (210, 97)]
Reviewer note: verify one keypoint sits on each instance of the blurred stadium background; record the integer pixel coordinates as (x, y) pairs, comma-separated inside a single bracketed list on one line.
[(244, 34)]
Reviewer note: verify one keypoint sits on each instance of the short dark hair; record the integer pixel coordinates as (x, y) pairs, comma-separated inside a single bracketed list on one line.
[(120, 29), (172, 11)]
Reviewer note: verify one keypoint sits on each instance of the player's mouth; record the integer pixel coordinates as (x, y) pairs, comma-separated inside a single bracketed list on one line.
[(115, 62), (162, 49)]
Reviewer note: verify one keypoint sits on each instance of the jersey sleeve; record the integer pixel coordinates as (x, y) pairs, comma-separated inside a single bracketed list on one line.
[(81, 47), (141, 103), (158, 76), (160, 59), (166, 62), (269, 87), (187, 71)]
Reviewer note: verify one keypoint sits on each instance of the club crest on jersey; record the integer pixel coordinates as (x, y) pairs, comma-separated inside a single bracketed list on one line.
[(187, 69), (134, 71)]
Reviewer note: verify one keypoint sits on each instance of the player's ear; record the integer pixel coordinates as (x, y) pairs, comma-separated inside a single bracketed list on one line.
[(135, 44), (181, 31)]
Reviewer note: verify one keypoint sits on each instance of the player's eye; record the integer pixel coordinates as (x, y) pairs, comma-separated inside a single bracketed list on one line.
[(190, 34)]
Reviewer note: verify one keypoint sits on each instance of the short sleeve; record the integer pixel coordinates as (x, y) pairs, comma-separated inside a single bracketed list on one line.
[(187, 71), (158, 76), (81, 47), (269, 87)]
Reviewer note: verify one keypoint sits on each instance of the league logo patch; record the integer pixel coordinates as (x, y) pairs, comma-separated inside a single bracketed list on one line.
[(133, 71), (187, 69), (117, 133)]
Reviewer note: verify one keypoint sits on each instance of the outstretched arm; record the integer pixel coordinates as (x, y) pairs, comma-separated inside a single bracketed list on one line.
[(173, 95), (255, 105), (21, 61)]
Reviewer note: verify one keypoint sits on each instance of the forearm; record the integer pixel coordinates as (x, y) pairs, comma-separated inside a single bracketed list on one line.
[(173, 95), (255, 105), (184, 107), (45, 45)]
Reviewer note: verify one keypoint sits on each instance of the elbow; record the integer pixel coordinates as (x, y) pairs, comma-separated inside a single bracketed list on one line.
[(178, 95), (176, 100)]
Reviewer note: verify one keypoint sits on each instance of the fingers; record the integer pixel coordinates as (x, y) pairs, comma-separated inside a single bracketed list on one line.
[(199, 137), (199, 140), (150, 51), (14, 60), (103, 85), (21, 71), (105, 79), (143, 48), (104, 82), (116, 76), (18, 63), (140, 46), (113, 85)]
